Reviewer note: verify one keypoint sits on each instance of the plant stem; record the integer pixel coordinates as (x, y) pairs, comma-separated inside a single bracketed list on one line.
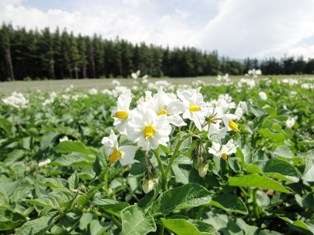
[(162, 170), (162, 230), (174, 156), (255, 206)]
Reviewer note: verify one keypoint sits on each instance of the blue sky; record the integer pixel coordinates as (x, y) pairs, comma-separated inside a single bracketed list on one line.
[(236, 28)]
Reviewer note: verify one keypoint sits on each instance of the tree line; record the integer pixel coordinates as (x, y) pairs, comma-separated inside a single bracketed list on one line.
[(33, 54)]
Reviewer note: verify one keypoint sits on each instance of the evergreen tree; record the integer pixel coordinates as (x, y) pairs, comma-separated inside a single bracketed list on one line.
[(46, 54), (5, 33)]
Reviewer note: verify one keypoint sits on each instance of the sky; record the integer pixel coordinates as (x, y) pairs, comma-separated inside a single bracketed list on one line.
[(235, 28)]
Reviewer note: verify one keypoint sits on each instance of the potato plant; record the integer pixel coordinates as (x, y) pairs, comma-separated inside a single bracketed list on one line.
[(229, 158)]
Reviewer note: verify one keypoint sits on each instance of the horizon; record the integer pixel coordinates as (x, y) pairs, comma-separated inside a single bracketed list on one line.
[(206, 25)]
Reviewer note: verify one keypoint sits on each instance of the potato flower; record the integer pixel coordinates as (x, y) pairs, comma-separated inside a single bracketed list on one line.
[(167, 105), (16, 100), (124, 154), (230, 122), (194, 105), (262, 95), (149, 184), (290, 122), (222, 151), (122, 111), (147, 129)]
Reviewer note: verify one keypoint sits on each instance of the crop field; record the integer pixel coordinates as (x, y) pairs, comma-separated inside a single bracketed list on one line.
[(7, 88), (135, 157)]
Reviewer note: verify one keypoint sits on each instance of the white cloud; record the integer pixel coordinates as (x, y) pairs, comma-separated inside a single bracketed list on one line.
[(237, 28), (259, 28), (135, 20)]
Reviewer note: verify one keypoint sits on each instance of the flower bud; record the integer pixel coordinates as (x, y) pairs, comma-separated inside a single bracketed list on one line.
[(149, 185), (202, 170)]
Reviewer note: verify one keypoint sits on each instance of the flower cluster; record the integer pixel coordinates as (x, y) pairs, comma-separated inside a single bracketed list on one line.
[(16, 99), (223, 78), (254, 73), (156, 116)]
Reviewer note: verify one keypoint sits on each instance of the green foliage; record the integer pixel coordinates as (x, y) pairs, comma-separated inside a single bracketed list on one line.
[(53, 185)]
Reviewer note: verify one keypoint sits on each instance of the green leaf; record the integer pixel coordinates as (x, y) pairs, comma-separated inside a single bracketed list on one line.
[(257, 181), (111, 206), (36, 226), (47, 140), (10, 219), (308, 201), (280, 166), (74, 160), (299, 224), (309, 174), (6, 125), (251, 168), (181, 175), (283, 151), (74, 147), (230, 203), (15, 155), (182, 227), (85, 220), (183, 197), (96, 228), (135, 222)]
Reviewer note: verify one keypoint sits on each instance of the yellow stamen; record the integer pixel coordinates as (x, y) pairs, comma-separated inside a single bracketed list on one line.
[(115, 155), (224, 156), (123, 115), (233, 126), (149, 131), (212, 119), (162, 111), (194, 108)]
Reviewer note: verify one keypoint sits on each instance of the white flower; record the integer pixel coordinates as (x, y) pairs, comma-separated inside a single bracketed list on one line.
[(121, 113), (124, 154), (224, 79), (64, 138), (202, 170), (290, 81), (65, 97), (165, 104), (115, 83), (290, 122), (162, 83), (144, 79), (307, 85), (230, 122), (44, 163), (106, 92), (241, 109), (225, 102), (147, 129), (93, 91), (262, 95), (134, 88), (195, 109), (69, 88), (222, 151), (119, 90), (254, 73), (248, 82), (149, 185), (16, 100), (51, 99), (136, 75)]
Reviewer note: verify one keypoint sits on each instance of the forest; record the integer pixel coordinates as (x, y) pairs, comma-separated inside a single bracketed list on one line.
[(46, 54)]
